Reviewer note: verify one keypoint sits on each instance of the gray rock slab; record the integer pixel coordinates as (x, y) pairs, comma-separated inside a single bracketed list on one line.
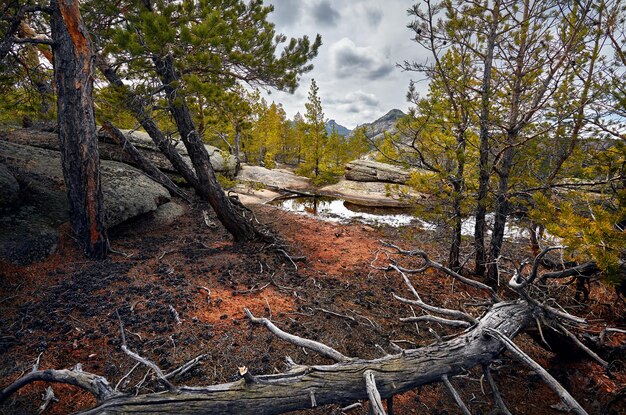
[(374, 194), (374, 171), (9, 187), (29, 226), (273, 177)]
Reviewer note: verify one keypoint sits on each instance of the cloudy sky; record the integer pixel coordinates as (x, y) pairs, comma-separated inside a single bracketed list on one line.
[(356, 67)]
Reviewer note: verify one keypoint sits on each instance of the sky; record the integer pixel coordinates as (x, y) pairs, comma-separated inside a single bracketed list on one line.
[(356, 72)]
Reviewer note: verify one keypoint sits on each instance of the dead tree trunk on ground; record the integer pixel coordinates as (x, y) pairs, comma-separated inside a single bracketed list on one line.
[(73, 69), (349, 379)]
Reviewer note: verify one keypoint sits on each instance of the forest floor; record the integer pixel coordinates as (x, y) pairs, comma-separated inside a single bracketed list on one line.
[(62, 312)]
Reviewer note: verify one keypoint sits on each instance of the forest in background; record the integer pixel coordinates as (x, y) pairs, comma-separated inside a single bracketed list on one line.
[(523, 120)]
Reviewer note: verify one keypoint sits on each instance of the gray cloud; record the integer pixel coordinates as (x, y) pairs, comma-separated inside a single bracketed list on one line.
[(359, 104), (374, 16), (349, 59), (325, 14), (360, 97), (286, 12), (363, 39)]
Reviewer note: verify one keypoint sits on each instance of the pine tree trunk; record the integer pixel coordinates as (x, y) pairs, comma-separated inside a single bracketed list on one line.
[(73, 70), (140, 112), (209, 188), (458, 185), (483, 176), (501, 214)]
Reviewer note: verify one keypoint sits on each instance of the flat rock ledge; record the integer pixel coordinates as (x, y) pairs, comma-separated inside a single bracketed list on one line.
[(375, 194), (374, 171)]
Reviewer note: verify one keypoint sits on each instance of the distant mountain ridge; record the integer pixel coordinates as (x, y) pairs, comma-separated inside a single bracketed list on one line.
[(386, 123), (341, 130)]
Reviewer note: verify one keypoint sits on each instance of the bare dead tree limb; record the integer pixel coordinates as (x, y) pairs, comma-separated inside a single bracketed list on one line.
[(435, 319), (494, 390), (580, 344), (318, 347), (376, 404), (94, 384), (519, 354), (428, 263), (439, 310), (455, 395)]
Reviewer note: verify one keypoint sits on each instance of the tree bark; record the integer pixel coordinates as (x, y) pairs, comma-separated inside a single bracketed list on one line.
[(341, 383), (73, 70), (144, 164), (141, 113), (458, 186), (483, 167), (500, 215), (233, 219)]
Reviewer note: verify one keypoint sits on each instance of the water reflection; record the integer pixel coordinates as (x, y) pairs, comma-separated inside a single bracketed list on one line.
[(339, 210)]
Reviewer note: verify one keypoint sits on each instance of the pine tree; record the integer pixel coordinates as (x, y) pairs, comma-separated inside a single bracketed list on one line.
[(316, 137), (198, 49)]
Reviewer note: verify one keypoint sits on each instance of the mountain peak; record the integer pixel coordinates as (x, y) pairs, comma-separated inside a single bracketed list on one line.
[(394, 114), (341, 130), (386, 123)]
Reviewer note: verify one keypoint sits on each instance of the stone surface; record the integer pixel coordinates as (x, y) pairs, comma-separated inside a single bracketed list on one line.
[(250, 196), (9, 188), (167, 213), (278, 178), (127, 191), (222, 162), (374, 171), (29, 229), (373, 193)]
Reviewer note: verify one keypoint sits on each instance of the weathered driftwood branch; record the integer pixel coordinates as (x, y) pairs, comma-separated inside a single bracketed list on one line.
[(94, 384), (580, 344), (494, 390), (435, 319), (455, 395), (583, 270), (439, 310), (429, 263), (186, 367), (318, 347), (519, 354), (340, 383), (48, 398), (376, 404), (519, 282)]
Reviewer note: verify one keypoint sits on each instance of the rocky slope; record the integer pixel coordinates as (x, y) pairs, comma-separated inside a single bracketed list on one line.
[(386, 123)]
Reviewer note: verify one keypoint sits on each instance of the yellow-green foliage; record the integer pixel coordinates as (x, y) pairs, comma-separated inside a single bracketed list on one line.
[(269, 161), (226, 182), (587, 224)]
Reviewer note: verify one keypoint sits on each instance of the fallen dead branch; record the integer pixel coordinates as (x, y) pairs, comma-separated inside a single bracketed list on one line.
[(349, 379)]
